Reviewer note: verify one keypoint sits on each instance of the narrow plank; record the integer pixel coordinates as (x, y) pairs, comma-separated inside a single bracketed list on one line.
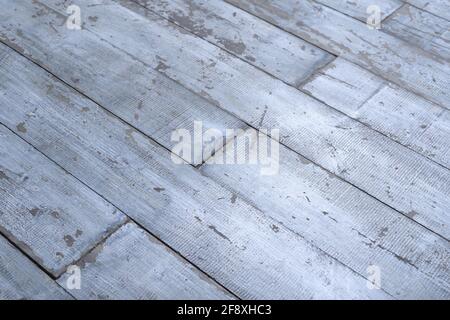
[(358, 8), (20, 279), (420, 28), (133, 265), (379, 52), (284, 56), (224, 236), (397, 113), (130, 89), (47, 213), (344, 222), (441, 8), (408, 182)]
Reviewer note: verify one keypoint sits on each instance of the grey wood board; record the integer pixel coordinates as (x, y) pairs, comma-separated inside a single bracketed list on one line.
[(394, 174), (397, 113), (224, 236), (441, 8), (20, 279), (345, 223), (358, 9), (253, 40), (48, 214), (420, 28), (133, 265), (385, 55), (128, 88)]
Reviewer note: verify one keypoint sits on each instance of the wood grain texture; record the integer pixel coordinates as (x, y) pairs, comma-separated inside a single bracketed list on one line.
[(407, 66), (20, 279), (125, 86), (282, 55), (358, 8), (47, 213), (133, 265), (421, 29), (397, 176), (397, 113), (345, 223), (229, 239), (440, 8)]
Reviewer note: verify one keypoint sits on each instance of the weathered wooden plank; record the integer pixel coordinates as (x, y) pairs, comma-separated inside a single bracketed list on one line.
[(47, 213), (379, 52), (224, 236), (397, 113), (132, 264), (130, 89), (358, 8), (420, 28), (345, 223), (21, 279), (283, 55), (394, 174), (441, 8)]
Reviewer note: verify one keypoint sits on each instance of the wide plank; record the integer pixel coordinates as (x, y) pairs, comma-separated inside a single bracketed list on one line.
[(420, 28), (385, 107), (344, 222), (133, 265), (227, 238), (280, 54), (400, 177), (48, 214), (20, 279), (385, 55)]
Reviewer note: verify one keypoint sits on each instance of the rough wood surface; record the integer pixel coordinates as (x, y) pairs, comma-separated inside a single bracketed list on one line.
[(379, 52), (229, 239), (421, 29), (397, 113), (132, 264), (283, 55), (50, 215), (418, 187), (440, 8), (20, 279)]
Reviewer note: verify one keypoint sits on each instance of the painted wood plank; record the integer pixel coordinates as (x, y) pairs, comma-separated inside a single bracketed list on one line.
[(344, 222), (441, 8), (20, 279), (229, 239), (412, 184), (133, 265), (282, 55), (130, 89), (47, 213), (379, 52), (420, 28), (397, 113), (358, 8)]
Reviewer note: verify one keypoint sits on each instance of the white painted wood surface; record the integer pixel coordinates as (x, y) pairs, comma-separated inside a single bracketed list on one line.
[(379, 52), (20, 279), (224, 236), (358, 9), (421, 29), (441, 8), (345, 223), (389, 109), (280, 54), (132, 264), (48, 214), (418, 187)]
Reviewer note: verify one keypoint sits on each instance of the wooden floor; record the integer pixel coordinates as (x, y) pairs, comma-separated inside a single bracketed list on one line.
[(360, 207)]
